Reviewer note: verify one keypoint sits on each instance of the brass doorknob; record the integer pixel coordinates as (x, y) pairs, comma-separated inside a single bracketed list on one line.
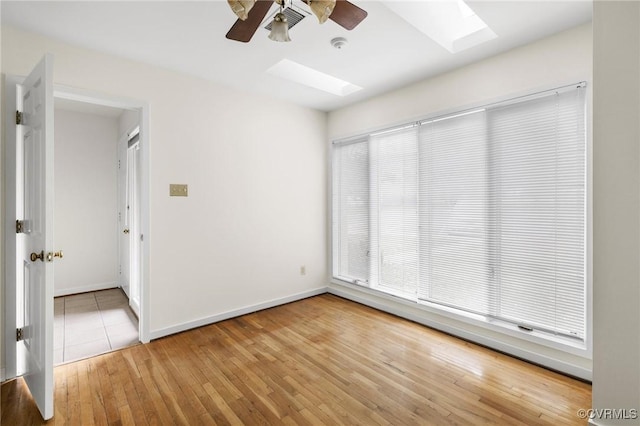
[(36, 256), (126, 231)]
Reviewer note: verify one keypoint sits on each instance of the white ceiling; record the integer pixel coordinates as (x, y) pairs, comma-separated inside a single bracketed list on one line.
[(384, 52)]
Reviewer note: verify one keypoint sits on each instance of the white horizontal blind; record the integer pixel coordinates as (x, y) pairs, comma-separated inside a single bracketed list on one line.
[(351, 211), (482, 211), (538, 183), (394, 168), (455, 250)]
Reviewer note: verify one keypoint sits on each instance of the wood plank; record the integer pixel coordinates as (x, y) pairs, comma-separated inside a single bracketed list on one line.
[(322, 360)]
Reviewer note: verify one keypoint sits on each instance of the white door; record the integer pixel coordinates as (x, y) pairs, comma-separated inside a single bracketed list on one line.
[(123, 216), (135, 234), (35, 143), (129, 180)]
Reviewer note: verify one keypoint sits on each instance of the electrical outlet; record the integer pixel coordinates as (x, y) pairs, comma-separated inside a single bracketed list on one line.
[(303, 270)]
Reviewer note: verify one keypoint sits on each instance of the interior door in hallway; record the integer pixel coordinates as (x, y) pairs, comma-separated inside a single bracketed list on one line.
[(129, 216), (123, 217)]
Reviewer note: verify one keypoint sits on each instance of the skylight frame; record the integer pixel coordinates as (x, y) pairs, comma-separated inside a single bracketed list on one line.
[(310, 77), (451, 23)]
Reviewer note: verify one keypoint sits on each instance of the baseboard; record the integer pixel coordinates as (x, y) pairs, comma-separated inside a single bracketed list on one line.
[(84, 289), (2, 375), (156, 334)]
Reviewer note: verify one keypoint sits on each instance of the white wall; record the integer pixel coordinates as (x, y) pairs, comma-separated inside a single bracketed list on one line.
[(257, 196), (127, 121), (85, 201), (616, 211), (557, 60)]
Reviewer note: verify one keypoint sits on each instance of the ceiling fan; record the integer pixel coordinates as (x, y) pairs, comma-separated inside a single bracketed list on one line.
[(251, 13)]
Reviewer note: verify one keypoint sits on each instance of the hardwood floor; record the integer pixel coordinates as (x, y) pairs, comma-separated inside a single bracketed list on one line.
[(322, 360)]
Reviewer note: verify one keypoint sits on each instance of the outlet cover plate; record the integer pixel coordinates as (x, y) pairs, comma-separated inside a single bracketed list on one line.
[(178, 190)]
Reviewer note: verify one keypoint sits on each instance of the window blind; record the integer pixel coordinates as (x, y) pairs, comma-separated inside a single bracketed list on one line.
[(454, 212), (481, 211), (351, 211), (394, 210), (538, 183)]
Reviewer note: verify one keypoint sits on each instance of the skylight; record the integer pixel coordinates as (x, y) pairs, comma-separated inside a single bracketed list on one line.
[(301, 74), (450, 23)]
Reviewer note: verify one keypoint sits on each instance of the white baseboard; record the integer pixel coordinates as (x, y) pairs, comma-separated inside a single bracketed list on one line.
[(84, 289), (2, 375), (156, 334)]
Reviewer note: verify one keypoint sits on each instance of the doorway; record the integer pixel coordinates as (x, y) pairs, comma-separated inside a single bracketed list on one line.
[(134, 119), (14, 301), (93, 305), (29, 209)]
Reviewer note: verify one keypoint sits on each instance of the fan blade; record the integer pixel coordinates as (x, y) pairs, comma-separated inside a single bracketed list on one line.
[(244, 30), (347, 15)]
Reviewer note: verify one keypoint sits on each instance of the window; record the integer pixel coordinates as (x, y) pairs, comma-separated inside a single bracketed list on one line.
[(482, 211)]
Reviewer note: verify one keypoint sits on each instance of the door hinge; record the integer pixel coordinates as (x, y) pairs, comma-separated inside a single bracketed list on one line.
[(19, 226), (19, 118), (19, 334)]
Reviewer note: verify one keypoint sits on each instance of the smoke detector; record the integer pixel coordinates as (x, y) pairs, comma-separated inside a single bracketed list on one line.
[(339, 42)]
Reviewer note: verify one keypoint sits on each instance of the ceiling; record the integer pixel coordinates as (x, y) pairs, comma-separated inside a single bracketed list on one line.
[(383, 53)]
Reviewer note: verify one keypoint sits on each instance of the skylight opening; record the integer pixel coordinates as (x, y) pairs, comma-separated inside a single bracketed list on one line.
[(450, 23), (310, 77)]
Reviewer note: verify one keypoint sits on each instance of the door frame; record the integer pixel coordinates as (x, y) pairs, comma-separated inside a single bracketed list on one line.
[(86, 96), (10, 239)]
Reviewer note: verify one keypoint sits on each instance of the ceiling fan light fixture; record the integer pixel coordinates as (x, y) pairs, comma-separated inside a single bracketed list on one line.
[(279, 28), (241, 7), (322, 8)]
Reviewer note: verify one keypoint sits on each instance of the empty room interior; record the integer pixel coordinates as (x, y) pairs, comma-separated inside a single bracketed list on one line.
[(320, 212)]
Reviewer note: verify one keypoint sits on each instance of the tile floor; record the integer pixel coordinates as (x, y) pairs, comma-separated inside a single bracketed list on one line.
[(90, 324)]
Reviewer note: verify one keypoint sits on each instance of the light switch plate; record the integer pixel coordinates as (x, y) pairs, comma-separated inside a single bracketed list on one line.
[(178, 190)]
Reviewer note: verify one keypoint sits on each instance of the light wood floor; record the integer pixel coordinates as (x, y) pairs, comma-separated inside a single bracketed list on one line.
[(322, 360)]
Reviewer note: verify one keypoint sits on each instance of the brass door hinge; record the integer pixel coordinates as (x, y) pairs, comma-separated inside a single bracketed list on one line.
[(19, 226), (19, 118), (19, 334)]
